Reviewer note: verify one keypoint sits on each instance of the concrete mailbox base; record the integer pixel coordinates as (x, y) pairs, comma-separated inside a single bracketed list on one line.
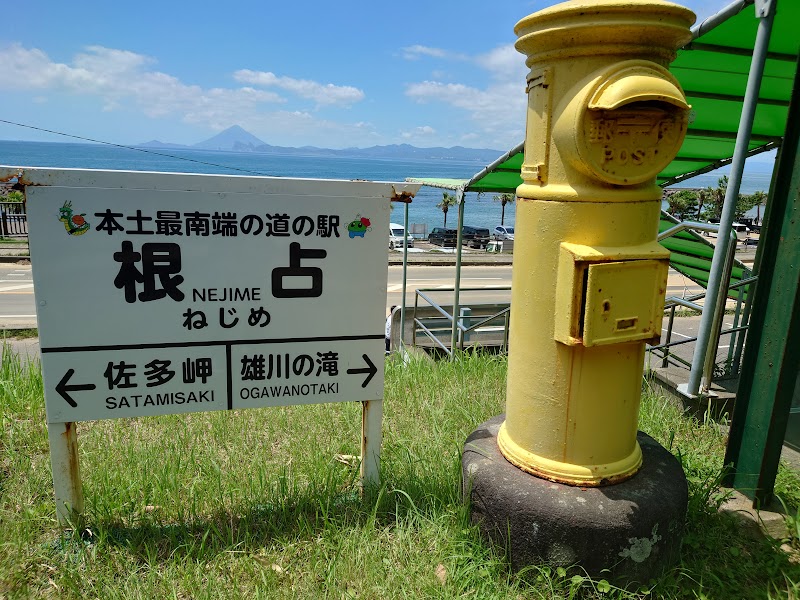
[(625, 533)]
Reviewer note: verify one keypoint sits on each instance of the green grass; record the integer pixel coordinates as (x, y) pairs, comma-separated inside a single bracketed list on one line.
[(19, 334), (252, 504)]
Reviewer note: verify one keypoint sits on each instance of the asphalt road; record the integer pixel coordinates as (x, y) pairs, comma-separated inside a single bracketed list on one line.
[(479, 285), (485, 278), (18, 304)]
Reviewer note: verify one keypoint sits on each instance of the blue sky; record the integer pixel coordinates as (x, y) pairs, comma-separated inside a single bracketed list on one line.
[(330, 74)]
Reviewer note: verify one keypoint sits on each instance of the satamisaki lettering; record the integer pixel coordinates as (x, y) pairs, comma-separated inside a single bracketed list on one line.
[(165, 399)]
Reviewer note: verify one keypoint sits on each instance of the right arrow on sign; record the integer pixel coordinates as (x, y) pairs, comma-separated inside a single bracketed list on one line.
[(370, 368), (62, 388)]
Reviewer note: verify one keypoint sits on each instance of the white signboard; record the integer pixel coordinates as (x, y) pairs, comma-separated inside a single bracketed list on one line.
[(171, 293)]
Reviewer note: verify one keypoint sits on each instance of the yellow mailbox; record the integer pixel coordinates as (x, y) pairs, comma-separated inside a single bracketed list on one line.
[(605, 116)]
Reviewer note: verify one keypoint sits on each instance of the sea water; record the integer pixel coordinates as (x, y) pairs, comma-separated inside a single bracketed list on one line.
[(481, 210)]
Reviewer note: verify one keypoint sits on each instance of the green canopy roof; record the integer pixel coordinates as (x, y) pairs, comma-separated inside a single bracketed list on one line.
[(713, 71)]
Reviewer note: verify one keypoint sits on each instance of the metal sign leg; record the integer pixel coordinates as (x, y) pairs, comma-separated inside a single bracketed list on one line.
[(371, 417), (66, 472)]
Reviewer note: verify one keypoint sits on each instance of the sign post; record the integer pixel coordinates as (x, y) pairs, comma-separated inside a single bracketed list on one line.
[(171, 293)]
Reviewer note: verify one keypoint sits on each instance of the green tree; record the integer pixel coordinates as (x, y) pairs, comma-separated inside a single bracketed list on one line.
[(504, 199), (14, 196), (746, 202), (682, 204), (716, 198), (448, 200)]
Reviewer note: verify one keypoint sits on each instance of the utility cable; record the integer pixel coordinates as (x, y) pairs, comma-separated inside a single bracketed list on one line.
[(145, 150)]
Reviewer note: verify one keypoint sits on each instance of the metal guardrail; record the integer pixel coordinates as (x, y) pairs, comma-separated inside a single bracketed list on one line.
[(13, 220), (463, 324), (464, 327), (737, 343)]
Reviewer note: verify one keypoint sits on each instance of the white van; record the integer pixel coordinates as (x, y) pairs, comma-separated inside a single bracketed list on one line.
[(396, 237), (741, 231)]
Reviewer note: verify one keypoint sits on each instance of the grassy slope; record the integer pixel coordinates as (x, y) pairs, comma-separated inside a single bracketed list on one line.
[(252, 505)]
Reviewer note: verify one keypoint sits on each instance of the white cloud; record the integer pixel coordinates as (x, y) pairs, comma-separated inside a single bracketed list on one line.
[(416, 52), (497, 111), (418, 132), (323, 94), (505, 63), (120, 77)]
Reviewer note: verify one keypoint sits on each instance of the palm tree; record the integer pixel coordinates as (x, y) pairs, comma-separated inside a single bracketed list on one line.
[(702, 197), (504, 199), (448, 200), (760, 199)]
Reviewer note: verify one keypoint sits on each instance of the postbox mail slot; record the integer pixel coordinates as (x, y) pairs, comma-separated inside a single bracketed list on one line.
[(606, 295), (624, 301)]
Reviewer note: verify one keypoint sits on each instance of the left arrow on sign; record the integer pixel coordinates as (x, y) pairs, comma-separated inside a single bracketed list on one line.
[(370, 369), (62, 388)]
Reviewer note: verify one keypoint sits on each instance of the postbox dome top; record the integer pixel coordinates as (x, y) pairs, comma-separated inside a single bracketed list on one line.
[(588, 27)]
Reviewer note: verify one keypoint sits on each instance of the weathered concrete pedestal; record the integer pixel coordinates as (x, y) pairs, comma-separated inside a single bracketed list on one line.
[(625, 533)]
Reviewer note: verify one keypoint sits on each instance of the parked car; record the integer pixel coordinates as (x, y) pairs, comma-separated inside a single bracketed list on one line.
[(443, 237), (503, 232), (476, 237), (396, 237)]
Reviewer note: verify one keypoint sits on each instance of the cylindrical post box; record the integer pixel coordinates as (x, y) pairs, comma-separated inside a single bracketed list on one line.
[(604, 118)]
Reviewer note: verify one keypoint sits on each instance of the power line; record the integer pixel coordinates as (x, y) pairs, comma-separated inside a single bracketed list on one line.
[(145, 150)]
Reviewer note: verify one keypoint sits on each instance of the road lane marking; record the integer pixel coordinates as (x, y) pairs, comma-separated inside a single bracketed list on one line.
[(23, 286), (664, 329)]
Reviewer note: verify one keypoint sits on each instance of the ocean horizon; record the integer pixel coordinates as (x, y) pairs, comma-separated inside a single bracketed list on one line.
[(480, 210)]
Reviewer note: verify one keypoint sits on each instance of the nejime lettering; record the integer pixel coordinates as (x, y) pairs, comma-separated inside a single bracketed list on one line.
[(226, 294)]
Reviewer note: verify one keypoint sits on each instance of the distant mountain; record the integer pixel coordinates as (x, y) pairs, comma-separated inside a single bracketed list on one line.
[(233, 139), (394, 151), (236, 139), (157, 144)]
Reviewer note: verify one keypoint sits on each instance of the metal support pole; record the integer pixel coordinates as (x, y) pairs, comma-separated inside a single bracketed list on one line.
[(405, 272), (748, 305), (466, 321), (717, 19), (454, 313), (751, 289), (772, 355), (715, 283), (505, 331), (736, 336), (718, 314), (665, 362), (414, 328)]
